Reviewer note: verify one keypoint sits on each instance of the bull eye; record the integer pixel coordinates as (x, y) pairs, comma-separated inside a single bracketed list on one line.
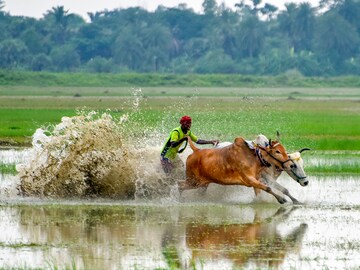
[(277, 152)]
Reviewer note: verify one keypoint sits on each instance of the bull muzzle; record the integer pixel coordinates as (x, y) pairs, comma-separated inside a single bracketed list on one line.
[(304, 183)]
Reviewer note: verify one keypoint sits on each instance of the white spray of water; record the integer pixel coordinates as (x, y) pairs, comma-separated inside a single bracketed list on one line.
[(91, 155)]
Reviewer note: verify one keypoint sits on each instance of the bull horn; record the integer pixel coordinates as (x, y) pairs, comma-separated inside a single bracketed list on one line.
[(304, 149), (278, 135)]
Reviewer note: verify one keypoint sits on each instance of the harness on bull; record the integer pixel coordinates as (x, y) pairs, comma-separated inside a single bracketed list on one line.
[(262, 160)]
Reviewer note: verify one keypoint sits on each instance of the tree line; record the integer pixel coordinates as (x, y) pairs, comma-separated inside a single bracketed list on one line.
[(251, 38)]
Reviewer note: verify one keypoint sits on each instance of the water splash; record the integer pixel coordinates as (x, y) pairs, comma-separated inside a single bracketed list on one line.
[(91, 155)]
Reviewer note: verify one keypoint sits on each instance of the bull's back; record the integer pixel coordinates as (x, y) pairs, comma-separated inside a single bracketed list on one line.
[(217, 165)]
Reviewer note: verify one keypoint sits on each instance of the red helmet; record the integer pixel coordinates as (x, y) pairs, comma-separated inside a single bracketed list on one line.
[(185, 119)]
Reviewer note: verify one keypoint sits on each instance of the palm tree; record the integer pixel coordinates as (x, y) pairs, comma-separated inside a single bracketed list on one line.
[(128, 49), (250, 37), (336, 40), (2, 5), (350, 10), (58, 18), (297, 22), (209, 7), (157, 40)]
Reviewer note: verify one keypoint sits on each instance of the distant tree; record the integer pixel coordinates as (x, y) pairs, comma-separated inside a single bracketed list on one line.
[(268, 10), (13, 53), (336, 39), (157, 42), (99, 65), (229, 42), (65, 57), (156, 35), (226, 32), (4, 26), (93, 41), (19, 24), (298, 22), (196, 48), (35, 42), (209, 7), (216, 61), (128, 49), (250, 6), (350, 11), (183, 24), (58, 23), (250, 36), (41, 62)]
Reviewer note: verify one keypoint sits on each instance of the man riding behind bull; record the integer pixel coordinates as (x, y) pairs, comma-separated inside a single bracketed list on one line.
[(169, 158)]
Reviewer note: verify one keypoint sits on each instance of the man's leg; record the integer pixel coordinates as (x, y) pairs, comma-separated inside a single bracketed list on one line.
[(166, 165)]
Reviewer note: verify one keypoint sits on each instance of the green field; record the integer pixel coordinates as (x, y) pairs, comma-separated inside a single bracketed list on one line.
[(325, 120), (322, 119)]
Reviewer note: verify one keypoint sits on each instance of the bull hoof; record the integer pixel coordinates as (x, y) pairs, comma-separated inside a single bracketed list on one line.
[(282, 200)]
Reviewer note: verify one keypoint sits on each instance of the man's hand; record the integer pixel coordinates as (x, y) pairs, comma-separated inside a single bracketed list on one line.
[(215, 142)]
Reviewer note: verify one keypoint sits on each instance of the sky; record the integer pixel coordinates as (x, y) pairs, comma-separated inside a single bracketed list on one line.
[(36, 8)]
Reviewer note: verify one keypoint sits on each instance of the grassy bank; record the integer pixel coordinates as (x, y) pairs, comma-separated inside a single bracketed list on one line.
[(46, 79)]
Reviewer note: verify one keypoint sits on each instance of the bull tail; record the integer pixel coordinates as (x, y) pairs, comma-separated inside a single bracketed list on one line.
[(192, 145)]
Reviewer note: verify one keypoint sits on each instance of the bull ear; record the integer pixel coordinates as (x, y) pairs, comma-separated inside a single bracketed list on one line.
[(278, 136)]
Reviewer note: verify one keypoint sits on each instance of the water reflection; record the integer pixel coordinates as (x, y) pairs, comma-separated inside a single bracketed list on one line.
[(145, 237), (227, 228), (257, 243)]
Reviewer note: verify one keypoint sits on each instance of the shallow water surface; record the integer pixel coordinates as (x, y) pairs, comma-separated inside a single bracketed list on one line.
[(108, 235), (225, 228)]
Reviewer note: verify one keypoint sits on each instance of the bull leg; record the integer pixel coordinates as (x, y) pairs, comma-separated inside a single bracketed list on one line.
[(257, 191), (286, 192), (271, 182), (256, 184), (202, 190), (185, 185)]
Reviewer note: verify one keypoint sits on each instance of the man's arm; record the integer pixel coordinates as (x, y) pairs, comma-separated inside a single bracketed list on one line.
[(213, 142), (176, 143)]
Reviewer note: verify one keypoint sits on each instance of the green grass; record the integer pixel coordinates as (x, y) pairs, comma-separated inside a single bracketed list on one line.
[(318, 124), (332, 162), (335, 169), (18, 125), (7, 168), (319, 118), (15, 78)]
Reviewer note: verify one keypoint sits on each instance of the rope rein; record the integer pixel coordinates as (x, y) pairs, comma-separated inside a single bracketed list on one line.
[(266, 163)]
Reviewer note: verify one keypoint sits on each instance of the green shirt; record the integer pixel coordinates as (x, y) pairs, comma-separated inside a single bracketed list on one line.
[(175, 135)]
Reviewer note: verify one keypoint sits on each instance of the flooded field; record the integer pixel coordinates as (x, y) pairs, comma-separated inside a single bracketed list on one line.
[(87, 197), (226, 228)]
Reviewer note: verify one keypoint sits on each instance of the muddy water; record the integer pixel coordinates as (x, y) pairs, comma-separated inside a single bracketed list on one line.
[(209, 236), (227, 228)]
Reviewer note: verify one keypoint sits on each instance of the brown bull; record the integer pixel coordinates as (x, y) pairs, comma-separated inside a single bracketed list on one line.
[(235, 164)]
